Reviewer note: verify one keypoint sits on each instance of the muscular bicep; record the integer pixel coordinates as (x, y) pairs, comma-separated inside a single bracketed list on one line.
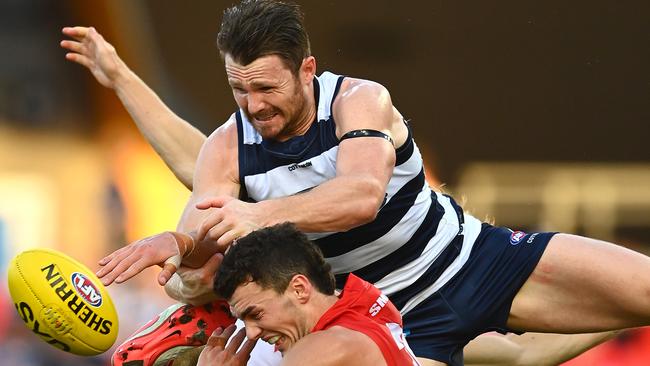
[(365, 105)]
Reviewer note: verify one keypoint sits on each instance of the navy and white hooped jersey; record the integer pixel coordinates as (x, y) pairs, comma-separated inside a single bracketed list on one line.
[(418, 240)]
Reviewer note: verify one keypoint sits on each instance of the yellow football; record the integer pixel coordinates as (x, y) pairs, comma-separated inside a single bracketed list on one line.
[(62, 301)]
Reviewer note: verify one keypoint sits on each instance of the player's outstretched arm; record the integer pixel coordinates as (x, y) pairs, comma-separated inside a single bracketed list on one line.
[(174, 139), (530, 349), (216, 174)]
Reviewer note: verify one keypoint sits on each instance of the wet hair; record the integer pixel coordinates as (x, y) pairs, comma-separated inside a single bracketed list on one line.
[(257, 28), (271, 257)]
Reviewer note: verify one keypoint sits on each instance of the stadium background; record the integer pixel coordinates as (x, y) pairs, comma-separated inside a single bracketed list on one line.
[(537, 113)]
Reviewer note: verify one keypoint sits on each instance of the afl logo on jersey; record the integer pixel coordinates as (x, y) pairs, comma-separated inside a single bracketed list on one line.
[(516, 237), (86, 289)]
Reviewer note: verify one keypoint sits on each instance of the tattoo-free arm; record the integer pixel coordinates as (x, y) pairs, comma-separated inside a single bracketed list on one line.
[(530, 349), (334, 346), (364, 166), (174, 139)]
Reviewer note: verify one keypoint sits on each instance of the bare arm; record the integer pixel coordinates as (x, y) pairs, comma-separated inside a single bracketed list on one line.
[(334, 346), (364, 167), (530, 349), (216, 174), (174, 139)]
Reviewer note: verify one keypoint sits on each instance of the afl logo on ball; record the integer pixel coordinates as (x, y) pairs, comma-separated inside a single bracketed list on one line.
[(516, 237), (86, 289)]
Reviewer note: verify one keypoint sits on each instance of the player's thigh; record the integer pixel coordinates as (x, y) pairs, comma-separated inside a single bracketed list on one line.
[(584, 285), (428, 362)]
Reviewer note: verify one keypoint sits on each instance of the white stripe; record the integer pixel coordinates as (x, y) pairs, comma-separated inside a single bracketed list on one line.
[(283, 182), (327, 82), (409, 273), (471, 230), (389, 242), (250, 134), (402, 174)]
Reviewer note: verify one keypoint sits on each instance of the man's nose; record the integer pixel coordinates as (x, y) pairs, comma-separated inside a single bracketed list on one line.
[(255, 103), (252, 330)]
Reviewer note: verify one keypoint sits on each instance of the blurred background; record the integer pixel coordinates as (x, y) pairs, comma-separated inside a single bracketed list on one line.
[(537, 114)]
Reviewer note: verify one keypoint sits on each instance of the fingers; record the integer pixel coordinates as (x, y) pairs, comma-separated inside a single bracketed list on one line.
[(247, 348), (220, 337), (236, 341), (169, 268), (132, 259), (132, 270), (227, 238), (213, 263), (210, 223), (111, 261), (77, 33), (216, 202), (216, 351), (73, 46), (119, 267), (80, 59)]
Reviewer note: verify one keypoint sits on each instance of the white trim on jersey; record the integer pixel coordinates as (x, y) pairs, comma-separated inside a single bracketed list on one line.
[(405, 276), (287, 180), (471, 230), (387, 243)]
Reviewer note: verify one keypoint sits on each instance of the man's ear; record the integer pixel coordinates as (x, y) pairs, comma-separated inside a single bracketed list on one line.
[(308, 70), (300, 288)]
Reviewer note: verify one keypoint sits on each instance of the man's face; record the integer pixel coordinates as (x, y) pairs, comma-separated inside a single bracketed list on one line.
[(272, 97), (270, 316)]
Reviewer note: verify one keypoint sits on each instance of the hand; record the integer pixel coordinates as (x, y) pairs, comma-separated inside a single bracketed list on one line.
[(194, 286), (160, 249), (91, 50), (216, 353), (231, 219)]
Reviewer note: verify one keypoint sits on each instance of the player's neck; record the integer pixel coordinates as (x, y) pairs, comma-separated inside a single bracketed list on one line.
[(320, 305)]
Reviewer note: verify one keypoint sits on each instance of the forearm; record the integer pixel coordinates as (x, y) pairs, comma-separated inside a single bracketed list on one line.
[(174, 139), (553, 349), (530, 349), (336, 205)]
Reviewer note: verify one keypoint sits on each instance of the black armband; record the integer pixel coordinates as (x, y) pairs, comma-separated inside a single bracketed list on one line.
[(367, 133)]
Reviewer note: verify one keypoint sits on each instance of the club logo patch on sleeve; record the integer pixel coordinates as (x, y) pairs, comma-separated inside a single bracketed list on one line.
[(516, 237)]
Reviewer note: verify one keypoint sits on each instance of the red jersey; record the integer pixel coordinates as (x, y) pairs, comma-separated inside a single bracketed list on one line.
[(363, 308)]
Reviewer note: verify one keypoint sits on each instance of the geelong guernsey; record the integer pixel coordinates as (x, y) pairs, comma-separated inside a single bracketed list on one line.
[(420, 238)]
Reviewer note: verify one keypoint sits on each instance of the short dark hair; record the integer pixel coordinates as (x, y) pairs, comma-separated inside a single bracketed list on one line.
[(271, 257), (257, 28)]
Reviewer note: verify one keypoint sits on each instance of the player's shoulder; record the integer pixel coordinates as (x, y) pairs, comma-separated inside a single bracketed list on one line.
[(224, 137), (335, 346), (352, 88)]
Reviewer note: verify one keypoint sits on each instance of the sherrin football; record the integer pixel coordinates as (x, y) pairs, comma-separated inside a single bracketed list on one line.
[(62, 301)]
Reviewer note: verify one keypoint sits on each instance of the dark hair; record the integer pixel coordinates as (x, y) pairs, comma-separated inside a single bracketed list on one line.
[(257, 28), (271, 257)]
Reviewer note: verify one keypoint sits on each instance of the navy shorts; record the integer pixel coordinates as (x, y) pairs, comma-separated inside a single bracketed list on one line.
[(478, 298)]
